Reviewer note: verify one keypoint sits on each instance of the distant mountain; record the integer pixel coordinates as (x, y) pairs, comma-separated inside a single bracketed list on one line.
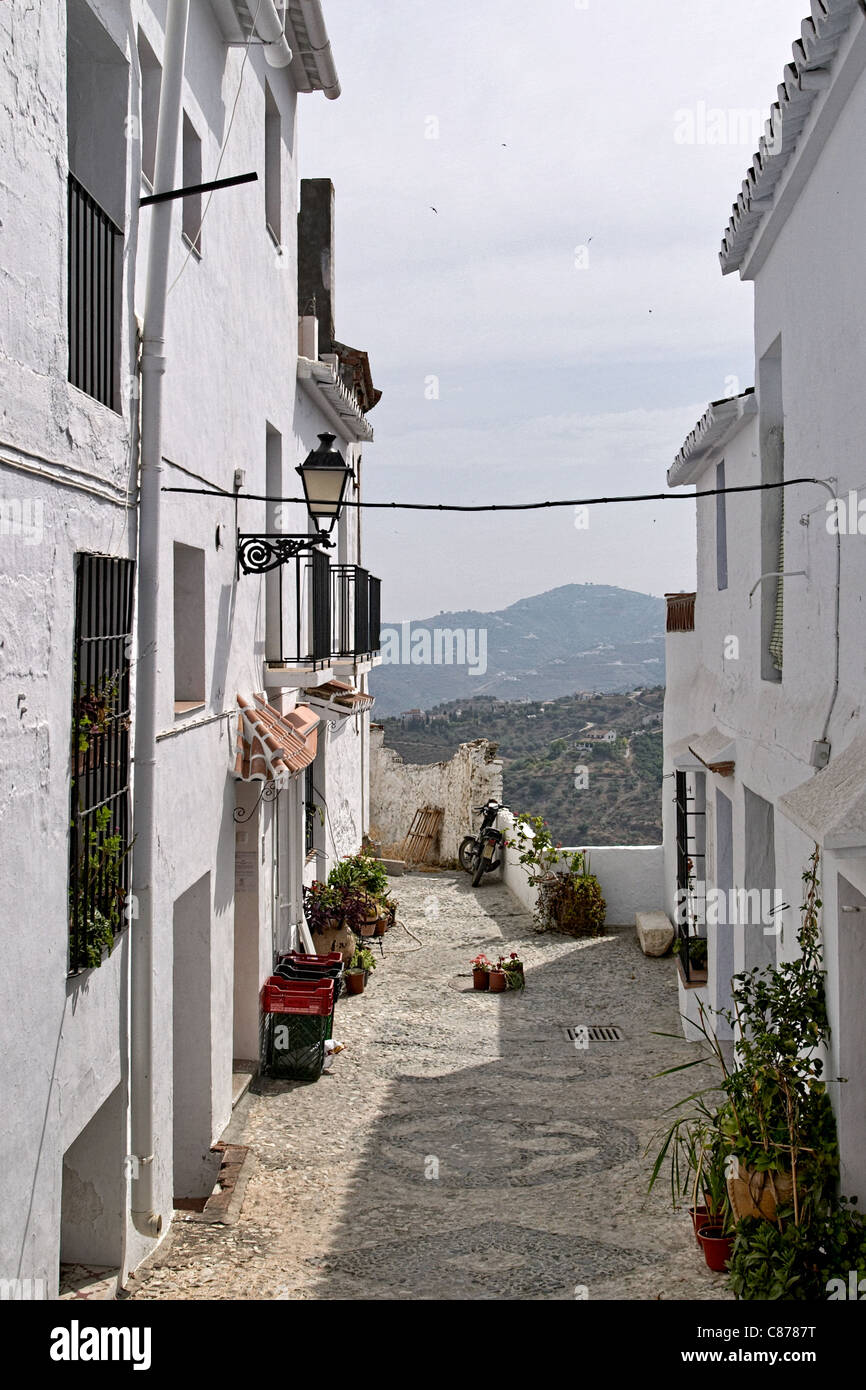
[(543, 744), (578, 637)]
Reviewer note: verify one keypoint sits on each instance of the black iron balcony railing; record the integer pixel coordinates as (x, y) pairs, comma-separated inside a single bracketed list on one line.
[(94, 263), (337, 611), (303, 639), (357, 611)]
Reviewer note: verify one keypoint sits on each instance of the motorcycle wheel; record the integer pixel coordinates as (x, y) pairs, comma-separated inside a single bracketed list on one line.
[(480, 867), (468, 853)]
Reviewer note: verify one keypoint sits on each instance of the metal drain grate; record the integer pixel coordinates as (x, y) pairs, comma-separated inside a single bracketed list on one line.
[(594, 1032)]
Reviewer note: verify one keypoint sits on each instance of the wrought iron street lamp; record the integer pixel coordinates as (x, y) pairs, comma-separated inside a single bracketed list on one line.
[(325, 476)]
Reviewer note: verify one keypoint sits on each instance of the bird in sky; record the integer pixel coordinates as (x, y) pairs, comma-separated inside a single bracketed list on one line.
[(432, 209)]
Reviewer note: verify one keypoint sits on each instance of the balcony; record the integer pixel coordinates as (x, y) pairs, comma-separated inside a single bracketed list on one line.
[(95, 255), (318, 613), (680, 612), (356, 607)]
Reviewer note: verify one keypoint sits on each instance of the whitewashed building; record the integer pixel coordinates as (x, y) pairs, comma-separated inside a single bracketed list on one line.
[(155, 691), (765, 730)]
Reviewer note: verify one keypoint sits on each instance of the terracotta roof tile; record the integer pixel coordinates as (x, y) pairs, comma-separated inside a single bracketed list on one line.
[(271, 745)]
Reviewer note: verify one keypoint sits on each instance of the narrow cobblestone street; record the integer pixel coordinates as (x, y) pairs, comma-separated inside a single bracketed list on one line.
[(539, 1146)]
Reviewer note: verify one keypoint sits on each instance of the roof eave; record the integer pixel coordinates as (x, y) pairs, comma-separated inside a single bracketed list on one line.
[(721, 421), (321, 381), (809, 96)]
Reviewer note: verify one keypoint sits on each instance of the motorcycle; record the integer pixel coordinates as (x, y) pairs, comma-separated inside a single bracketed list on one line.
[(478, 853)]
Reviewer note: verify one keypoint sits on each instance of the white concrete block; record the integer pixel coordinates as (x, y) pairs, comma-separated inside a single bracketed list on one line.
[(654, 932)]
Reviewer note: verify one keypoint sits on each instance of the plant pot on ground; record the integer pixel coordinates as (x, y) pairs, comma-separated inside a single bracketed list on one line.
[(355, 981), (700, 1216), (716, 1245), (498, 982), (481, 968), (513, 968), (362, 962)]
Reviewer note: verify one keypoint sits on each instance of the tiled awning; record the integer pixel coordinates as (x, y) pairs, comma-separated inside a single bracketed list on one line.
[(272, 745), (341, 698)]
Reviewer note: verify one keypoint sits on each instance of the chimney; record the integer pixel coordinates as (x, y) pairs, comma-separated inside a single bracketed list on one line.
[(316, 257)]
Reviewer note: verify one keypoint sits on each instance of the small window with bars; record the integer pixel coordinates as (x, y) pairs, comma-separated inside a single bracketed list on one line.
[(309, 811), (99, 836)]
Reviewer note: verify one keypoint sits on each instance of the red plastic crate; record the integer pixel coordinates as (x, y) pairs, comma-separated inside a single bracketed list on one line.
[(280, 996), (332, 958)]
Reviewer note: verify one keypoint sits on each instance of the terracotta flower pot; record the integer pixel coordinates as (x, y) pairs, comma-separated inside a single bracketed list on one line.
[(716, 1246), (355, 981), (700, 1217), (497, 981), (480, 979)]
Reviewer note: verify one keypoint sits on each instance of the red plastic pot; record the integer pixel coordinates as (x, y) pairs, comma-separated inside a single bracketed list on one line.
[(716, 1246), (355, 981), (497, 981), (480, 979)]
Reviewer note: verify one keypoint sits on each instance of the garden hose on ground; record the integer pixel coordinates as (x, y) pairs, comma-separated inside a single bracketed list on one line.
[(411, 949)]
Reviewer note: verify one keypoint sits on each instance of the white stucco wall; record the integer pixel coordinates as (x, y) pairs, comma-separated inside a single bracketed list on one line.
[(231, 350), (631, 876), (809, 307)]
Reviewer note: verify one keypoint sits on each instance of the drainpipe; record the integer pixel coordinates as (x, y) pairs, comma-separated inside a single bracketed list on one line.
[(145, 1219), (270, 29)]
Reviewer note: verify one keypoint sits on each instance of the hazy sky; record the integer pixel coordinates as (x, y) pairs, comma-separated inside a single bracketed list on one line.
[(566, 295)]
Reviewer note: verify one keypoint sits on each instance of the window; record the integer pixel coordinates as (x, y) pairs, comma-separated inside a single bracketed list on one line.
[(309, 811), (273, 166), (99, 835), (191, 176), (721, 530), (690, 797), (758, 907), (151, 82), (274, 578), (97, 103), (189, 628), (772, 446)]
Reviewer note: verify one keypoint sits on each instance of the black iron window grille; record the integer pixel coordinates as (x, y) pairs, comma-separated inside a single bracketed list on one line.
[(691, 880), (99, 836), (309, 811), (95, 244)]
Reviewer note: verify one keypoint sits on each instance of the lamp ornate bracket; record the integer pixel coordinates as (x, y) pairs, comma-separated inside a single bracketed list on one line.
[(259, 553)]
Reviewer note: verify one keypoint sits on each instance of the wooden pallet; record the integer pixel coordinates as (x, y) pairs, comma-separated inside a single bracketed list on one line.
[(423, 834)]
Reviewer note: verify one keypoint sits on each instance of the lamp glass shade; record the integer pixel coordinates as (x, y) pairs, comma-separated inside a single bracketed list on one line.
[(325, 475)]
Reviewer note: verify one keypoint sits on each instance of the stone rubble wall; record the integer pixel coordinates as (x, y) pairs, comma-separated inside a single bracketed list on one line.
[(399, 789)]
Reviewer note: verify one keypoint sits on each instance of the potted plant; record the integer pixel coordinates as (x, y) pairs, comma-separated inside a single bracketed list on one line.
[(715, 1235), (569, 898), (512, 965), (334, 915), (481, 968), (361, 871), (358, 969), (497, 980), (387, 916)]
